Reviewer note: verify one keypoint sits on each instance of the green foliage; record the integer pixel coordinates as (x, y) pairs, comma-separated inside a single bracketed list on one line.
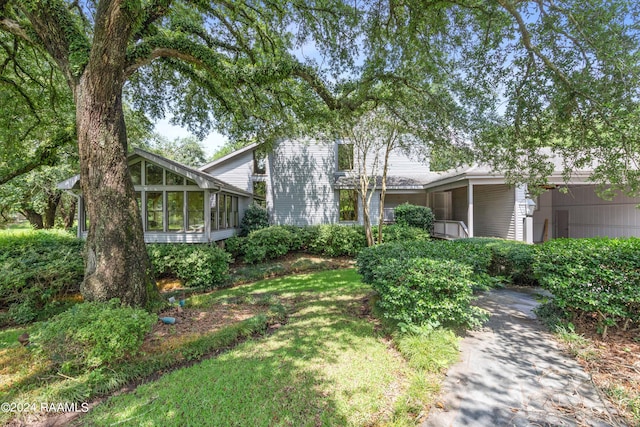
[(199, 265), (414, 216), (92, 334), (267, 243), (511, 259), (255, 218), (432, 351), (39, 269), (400, 233), (424, 291), (338, 240), (235, 245), (597, 276)]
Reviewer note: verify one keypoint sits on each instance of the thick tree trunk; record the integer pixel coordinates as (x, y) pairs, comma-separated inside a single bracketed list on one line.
[(34, 218), (116, 260), (68, 212), (53, 200)]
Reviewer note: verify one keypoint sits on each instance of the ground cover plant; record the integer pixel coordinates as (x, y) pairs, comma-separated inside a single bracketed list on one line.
[(330, 364)]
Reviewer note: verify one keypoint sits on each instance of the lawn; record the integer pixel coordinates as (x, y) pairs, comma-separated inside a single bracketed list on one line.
[(330, 364)]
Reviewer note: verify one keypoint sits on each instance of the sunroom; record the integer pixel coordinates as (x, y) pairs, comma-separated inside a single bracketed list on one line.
[(178, 204)]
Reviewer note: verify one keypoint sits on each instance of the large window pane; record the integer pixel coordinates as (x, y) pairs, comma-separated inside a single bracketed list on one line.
[(345, 157), (136, 173), (175, 207), (195, 207), (229, 212), (214, 211), (173, 179), (348, 205), (154, 211), (154, 174), (259, 163), (222, 212)]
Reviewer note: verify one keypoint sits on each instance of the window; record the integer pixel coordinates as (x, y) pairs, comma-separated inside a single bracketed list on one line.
[(259, 163), (136, 173), (173, 179), (345, 157), (214, 211), (154, 174), (222, 212), (260, 193), (175, 208), (155, 214), (348, 205), (195, 211)]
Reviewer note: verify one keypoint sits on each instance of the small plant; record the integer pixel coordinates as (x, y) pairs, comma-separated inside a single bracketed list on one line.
[(267, 243), (91, 335), (255, 218), (198, 265)]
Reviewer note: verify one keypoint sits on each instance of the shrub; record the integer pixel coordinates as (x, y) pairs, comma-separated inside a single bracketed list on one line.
[(598, 276), (235, 245), (38, 269), (267, 243), (414, 216), (400, 233), (338, 240), (92, 334), (509, 258), (198, 265), (425, 292), (255, 218)]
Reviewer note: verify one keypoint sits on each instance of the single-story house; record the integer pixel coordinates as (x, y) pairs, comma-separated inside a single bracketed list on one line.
[(314, 182)]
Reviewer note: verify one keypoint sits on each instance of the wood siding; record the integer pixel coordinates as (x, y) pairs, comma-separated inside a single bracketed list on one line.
[(591, 216), (459, 204), (495, 211), (236, 171)]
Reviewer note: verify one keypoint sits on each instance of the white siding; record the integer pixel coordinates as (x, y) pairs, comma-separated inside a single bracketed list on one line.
[(495, 211), (300, 184), (591, 216), (236, 171)]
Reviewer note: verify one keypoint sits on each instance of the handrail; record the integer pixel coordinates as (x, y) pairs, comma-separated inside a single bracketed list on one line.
[(448, 229)]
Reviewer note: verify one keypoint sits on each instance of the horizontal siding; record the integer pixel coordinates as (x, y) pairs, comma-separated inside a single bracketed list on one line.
[(591, 216), (494, 211), (300, 187), (236, 171), (459, 204)]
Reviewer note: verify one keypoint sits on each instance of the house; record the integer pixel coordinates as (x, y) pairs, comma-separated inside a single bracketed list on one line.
[(315, 182), (312, 182), (178, 204)]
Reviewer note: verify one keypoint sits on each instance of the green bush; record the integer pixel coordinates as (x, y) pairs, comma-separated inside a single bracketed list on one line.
[(267, 243), (198, 265), (599, 276), (509, 258), (414, 216), (400, 233), (235, 245), (425, 292), (39, 268), (255, 218), (338, 240), (91, 335)]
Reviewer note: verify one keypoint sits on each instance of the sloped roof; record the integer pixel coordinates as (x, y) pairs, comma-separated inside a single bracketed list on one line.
[(228, 157), (202, 179)]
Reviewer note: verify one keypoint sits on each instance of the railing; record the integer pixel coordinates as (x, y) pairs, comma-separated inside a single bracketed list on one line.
[(450, 229), (389, 215)]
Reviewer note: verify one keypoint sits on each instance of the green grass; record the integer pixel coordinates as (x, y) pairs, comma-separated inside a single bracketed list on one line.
[(329, 365)]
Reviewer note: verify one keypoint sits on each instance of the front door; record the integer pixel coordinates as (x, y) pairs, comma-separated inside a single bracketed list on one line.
[(562, 224)]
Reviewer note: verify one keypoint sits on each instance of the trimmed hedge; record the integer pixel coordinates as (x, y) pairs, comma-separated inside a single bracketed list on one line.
[(267, 243), (198, 265), (38, 269), (255, 218), (409, 215), (599, 276)]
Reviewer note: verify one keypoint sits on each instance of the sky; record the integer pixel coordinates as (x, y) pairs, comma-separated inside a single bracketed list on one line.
[(211, 144)]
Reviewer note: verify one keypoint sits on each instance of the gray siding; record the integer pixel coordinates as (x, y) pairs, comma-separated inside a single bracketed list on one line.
[(591, 216), (236, 171), (494, 211), (300, 184)]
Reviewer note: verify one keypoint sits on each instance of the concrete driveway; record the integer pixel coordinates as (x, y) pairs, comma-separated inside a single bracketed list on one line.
[(513, 373)]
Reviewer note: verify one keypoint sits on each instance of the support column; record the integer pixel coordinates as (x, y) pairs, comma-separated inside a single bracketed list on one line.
[(528, 229), (470, 209)]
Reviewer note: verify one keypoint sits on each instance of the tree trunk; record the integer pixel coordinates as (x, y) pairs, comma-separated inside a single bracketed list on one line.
[(116, 260), (34, 218), (68, 213), (53, 200)]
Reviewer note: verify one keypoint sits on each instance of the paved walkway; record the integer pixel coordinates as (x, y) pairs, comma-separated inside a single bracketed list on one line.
[(513, 373)]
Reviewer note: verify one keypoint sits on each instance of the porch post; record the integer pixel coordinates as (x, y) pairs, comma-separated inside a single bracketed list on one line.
[(470, 209), (207, 215)]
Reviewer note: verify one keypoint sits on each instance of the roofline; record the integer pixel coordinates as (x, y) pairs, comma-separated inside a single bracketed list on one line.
[(228, 156)]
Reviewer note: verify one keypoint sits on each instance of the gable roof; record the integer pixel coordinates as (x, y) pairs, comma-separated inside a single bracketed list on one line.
[(228, 156), (202, 179)]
